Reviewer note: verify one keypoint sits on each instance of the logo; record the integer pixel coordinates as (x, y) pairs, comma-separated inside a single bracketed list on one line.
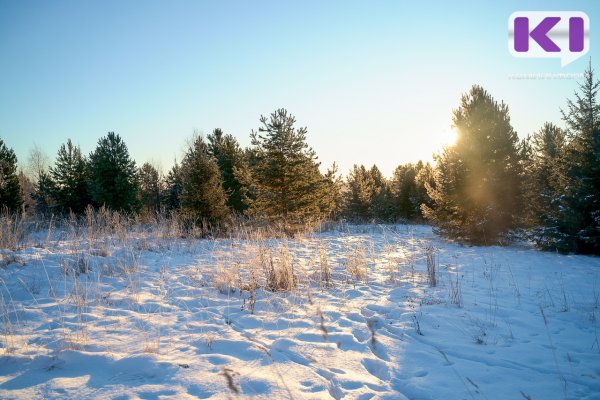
[(549, 34)]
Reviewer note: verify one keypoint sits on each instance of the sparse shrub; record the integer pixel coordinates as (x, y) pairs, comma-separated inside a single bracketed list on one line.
[(280, 272), (225, 279), (356, 263)]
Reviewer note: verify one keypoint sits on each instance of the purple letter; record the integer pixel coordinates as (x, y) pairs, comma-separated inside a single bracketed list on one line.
[(576, 34), (540, 32), (521, 34)]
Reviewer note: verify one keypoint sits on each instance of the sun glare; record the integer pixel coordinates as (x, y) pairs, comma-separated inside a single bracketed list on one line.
[(451, 136), (447, 138)]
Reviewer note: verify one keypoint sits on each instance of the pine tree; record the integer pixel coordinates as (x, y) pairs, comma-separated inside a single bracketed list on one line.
[(477, 195), (404, 190), (68, 187), (333, 200), (173, 185), (409, 189), (42, 194), (543, 152), (359, 196), (382, 207), (244, 175), (229, 156), (113, 176), (202, 195), (425, 179), (578, 224), (150, 189), (287, 185), (10, 193)]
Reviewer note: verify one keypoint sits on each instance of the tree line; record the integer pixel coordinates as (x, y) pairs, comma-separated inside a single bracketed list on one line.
[(486, 187)]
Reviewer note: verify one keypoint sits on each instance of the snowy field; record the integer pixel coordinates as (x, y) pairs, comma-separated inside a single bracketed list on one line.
[(350, 313)]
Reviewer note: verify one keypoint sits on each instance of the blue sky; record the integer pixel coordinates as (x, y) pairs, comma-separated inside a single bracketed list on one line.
[(374, 82)]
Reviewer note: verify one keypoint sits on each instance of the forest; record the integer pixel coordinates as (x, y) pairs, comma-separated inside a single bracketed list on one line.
[(489, 187)]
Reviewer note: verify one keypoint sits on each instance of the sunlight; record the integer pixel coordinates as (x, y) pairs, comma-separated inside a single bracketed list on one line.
[(443, 138), (449, 137)]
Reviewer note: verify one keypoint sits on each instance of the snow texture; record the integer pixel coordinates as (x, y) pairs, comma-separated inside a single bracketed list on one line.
[(150, 318)]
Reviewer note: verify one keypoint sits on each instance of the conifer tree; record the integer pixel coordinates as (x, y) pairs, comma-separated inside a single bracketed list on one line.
[(409, 189), (404, 189), (113, 176), (243, 173), (286, 182), (202, 195), (425, 180), (10, 193), (333, 200), (229, 156), (173, 185), (359, 196), (543, 153), (150, 189), (477, 195), (578, 223), (42, 194), (67, 180), (382, 207)]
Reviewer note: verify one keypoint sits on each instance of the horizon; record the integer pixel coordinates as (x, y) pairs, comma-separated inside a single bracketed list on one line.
[(372, 83)]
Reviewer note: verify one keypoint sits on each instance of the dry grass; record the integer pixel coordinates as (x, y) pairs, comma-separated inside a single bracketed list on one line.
[(253, 262), (431, 266), (356, 263), (455, 292)]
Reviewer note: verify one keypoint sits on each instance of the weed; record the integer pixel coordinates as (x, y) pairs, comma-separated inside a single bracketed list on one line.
[(431, 265)]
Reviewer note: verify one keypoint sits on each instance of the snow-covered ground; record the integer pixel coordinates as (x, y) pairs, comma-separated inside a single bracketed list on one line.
[(141, 316)]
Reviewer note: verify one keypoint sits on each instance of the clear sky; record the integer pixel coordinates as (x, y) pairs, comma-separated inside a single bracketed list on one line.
[(373, 81)]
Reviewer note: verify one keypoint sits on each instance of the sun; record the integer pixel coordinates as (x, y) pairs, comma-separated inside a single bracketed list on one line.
[(452, 136), (448, 137)]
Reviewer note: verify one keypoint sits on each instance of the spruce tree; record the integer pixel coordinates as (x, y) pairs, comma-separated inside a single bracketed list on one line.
[(578, 223), (68, 187), (287, 185), (10, 193), (150, 189), (477, 195), (113, 176), (229, 156), (202, 195)]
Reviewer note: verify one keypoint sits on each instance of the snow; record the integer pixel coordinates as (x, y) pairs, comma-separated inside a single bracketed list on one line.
[(138, 315)]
